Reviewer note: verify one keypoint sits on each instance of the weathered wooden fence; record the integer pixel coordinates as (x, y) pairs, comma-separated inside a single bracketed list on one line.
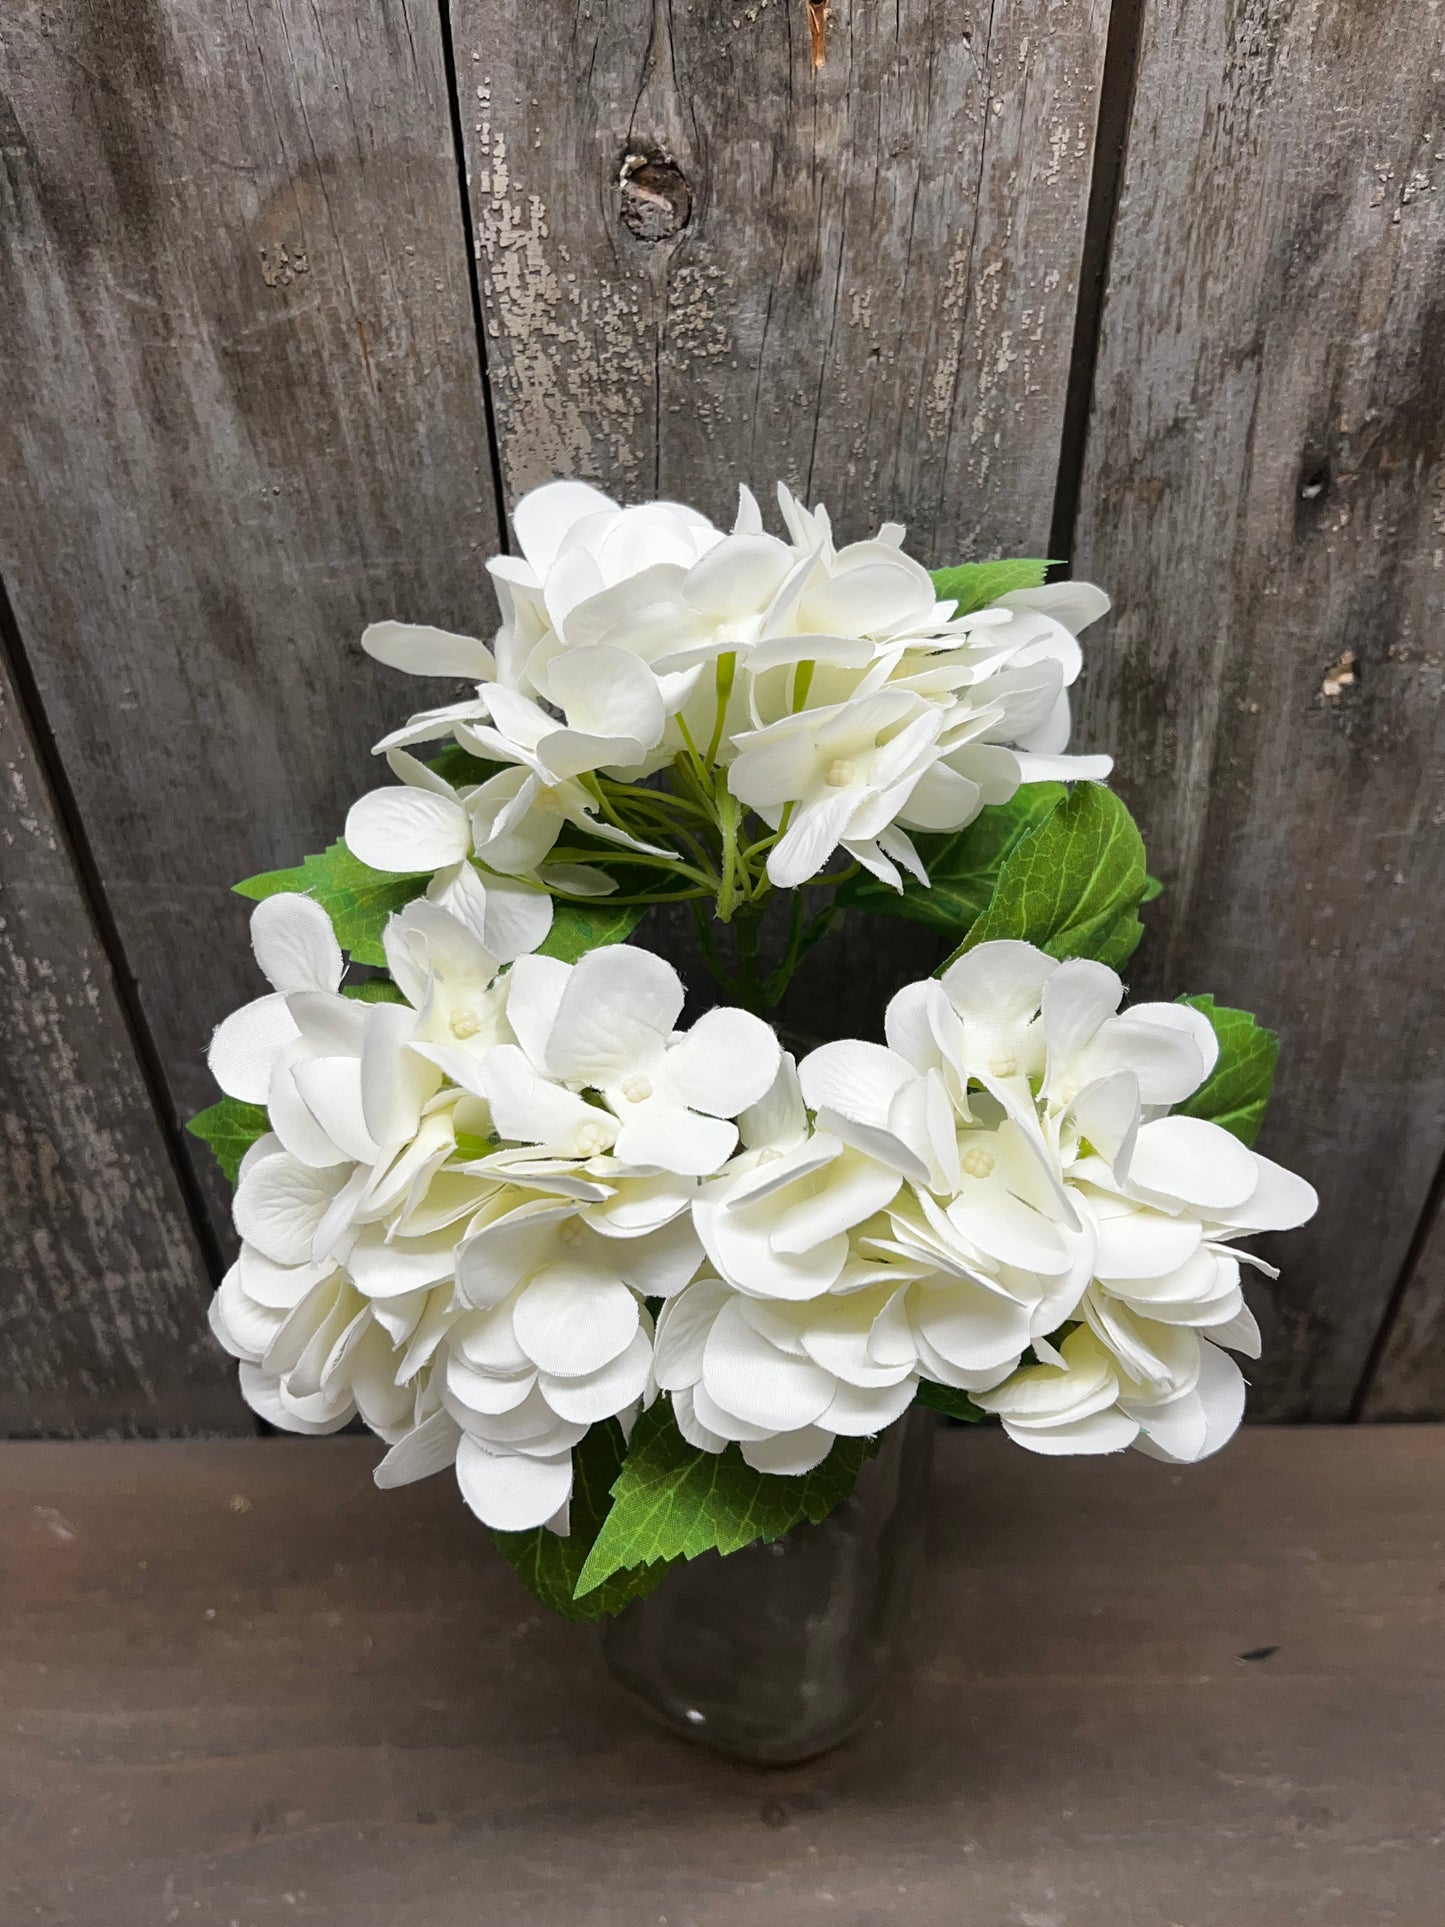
[(297, 297)]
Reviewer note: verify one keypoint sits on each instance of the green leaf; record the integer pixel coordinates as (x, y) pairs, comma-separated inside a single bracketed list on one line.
[(460, 768), (1073, 885), (963, 866), (230, 1128), (1152, 888), (943, 1398), (470, 1145), (580, 927), (357, 898), (973, 585), (550, 1567), (672, 1501), (1238, 1088), (375, 990)]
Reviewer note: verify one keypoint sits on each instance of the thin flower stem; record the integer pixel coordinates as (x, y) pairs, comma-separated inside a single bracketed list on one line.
[(663, 896), (726, 670), (670, 863), (656, 799)]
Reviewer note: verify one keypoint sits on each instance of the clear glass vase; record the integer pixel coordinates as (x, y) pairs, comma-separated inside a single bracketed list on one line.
[(775, 1653)]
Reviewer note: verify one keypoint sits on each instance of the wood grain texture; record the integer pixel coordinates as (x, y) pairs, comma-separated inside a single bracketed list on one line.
[(102, 1286), (706, 262), (241, 1685), (240, 416), (1264, 494), (1407, 1379)]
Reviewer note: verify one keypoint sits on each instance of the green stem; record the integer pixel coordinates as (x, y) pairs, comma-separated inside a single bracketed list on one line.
[(726, 670)]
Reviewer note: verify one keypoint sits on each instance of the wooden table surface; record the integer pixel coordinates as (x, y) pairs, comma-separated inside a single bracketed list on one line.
[(241, 1687)]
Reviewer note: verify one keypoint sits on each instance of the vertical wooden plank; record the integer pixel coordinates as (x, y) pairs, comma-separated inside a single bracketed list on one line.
[(102, 1286), (1264, 493), (240, 415), (706, 262), (1407, 1378)]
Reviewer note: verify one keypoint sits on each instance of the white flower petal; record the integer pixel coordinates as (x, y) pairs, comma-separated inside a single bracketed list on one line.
[(382, 1269), (608, 692), (692, 1429), (407, 831), (269, 1399), (745, 1375), (682, 1329), (604, 1393), (1186, 1159), (666, 1136), (246, 1045), (423, 651), (725, 1063), (617, 1011), (788, 1453), (295, 944), (543, 518), (280, 1204), (533, 1110), (1280, 1200), (430, 1447), (1144, 1244), (999, 984), (856, 1412), (571, 1321), (974, 1329), (510, 1491), (1077, 998), (1099, 1432), (1215, 1409)]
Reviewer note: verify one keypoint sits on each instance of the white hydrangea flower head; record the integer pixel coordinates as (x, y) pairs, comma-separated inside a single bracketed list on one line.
[(847, 702)]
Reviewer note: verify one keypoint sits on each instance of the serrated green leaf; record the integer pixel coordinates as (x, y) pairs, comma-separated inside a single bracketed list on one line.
[(963, 865), (578, 928), (357, 898), (672, 1501), (973, 585), (1238, 1088), (230, 1128), (549, 1566), (375, 990), (1073, 885), (943, 1398)]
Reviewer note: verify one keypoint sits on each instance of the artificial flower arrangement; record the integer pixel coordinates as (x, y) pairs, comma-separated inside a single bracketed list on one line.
[(653, 1290)]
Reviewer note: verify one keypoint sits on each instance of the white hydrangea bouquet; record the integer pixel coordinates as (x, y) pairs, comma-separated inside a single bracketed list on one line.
[(655, 1289)]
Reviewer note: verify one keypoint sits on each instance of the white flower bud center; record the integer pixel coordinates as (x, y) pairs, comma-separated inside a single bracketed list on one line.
[(978, 1163), (590, 1140), (1003, 1065), (637, 1088), (570, 1233), (840, 774), (464, 1021)]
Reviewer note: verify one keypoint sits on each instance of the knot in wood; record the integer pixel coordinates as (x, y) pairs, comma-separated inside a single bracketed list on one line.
[(656, 199)]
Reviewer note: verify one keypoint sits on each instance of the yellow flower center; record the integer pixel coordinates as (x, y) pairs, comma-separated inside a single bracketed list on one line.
[(840, 775), (978, 1163), (637, 1088)]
